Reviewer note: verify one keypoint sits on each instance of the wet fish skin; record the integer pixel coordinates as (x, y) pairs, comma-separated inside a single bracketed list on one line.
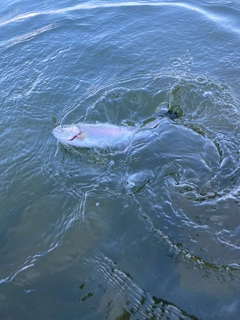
[(101, 135)]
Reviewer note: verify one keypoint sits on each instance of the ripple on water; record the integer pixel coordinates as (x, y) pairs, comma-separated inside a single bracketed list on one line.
[(181, 180), (193, 162), (176, 187), (122, 295)]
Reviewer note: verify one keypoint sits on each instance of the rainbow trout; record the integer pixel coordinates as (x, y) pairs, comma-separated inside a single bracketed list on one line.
[(99, 135)]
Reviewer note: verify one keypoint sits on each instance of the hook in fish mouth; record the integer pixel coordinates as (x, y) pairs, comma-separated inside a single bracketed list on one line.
[(76, 136)]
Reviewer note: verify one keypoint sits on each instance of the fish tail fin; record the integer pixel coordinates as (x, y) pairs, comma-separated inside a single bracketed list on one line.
[(156, 119)]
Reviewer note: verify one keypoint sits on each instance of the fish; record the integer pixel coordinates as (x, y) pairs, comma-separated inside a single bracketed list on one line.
[(100, 135)]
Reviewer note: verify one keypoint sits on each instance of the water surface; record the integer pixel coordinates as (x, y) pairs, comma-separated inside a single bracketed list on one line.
[(149, 233)]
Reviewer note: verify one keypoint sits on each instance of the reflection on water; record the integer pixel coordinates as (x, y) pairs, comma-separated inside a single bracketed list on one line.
[(148, 233), (179, 179), (123, 297), (176, 186)]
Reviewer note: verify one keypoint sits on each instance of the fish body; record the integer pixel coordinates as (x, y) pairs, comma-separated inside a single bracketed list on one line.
[(99, 135)]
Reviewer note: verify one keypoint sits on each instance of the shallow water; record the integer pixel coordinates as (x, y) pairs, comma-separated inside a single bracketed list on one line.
[(149, 233)]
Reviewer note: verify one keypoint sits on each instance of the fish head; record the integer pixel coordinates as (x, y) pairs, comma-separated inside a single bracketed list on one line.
[(66, 134)]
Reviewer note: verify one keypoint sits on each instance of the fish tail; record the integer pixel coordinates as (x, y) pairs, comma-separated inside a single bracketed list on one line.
[(153, 123)]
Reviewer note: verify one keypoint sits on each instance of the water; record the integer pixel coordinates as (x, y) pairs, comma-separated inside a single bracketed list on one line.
[(149, 233)]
